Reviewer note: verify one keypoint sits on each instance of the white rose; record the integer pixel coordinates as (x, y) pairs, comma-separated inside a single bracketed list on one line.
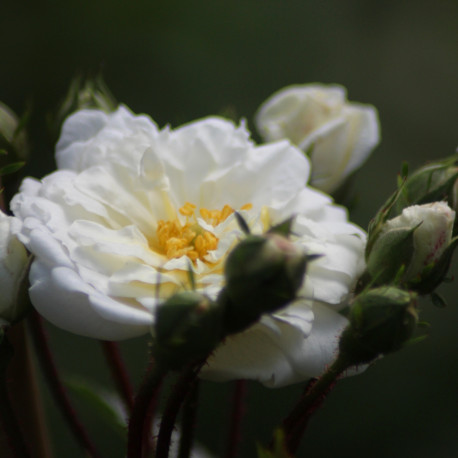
[(116, 229), (338, 135), (13, 269), (432, 236)]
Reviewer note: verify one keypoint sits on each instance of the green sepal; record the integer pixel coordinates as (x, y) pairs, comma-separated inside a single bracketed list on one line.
[(376, 223), (284, 228), (432, 183), (391, 255), (242, 223), (433, 275), (438, 301)]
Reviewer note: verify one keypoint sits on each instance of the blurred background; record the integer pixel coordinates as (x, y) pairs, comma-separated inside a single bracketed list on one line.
[(179, 60)]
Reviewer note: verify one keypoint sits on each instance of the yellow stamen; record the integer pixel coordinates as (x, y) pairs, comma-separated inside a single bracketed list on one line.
[(191, 240)]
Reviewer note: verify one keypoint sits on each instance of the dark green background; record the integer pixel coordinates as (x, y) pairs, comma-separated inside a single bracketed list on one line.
[(179, 60)]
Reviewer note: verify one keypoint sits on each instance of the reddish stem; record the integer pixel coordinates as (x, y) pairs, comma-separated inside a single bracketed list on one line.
[(238, 410), (188, 422), (294, 425), (8, 421), (183, 386), (119, 373), (55, 384), (137, 438)]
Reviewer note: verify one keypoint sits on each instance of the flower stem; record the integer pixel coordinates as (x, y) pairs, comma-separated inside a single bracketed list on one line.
[(184, 384), (26, 397), (8, 420), (144, 399), (55, 384), (238, 409), (295, 423), (119, 373), (188, 422)]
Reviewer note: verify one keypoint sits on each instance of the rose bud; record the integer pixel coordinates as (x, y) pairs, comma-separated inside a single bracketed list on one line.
[(414, 248), (263, 274), (337, 135), (382, 320), (14, 263), (13, 138)]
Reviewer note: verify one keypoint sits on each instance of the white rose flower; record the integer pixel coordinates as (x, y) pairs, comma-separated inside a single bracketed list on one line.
[(338, 135), (13, 270), (115, 231), (432, 236)]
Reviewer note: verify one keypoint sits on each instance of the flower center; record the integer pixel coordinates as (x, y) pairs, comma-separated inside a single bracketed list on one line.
[(190, 239)]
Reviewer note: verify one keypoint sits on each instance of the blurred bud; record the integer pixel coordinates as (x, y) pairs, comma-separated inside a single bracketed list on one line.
[(382, 320), (263, 274), (14, 263), (13, 138), (414, 248), (337, 135), (187, 327), (434, 182), (83, 93)]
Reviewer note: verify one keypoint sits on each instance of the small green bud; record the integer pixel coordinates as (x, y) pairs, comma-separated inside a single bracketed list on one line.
[(83, 93), (382, 320), (187, 327), (13, 138), (263, 274)]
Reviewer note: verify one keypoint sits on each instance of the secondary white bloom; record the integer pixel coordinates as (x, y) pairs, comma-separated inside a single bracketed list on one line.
[(432, 236), (338, 135), (115, 230), (13, 270)]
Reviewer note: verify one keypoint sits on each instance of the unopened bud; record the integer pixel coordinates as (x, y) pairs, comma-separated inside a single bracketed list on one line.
[(263, 274), (382, 320), (414, 248), (187, 327), (84, 93), (14, 263), (13, 138)]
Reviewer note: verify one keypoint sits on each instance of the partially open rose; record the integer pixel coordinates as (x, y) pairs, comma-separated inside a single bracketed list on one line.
[(336, 134)]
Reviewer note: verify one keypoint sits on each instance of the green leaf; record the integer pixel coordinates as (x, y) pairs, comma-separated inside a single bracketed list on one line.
[(11, 168), (405, 169), (101, 402)]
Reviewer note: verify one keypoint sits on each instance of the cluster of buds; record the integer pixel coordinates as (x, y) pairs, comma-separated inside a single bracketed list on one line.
[(409, 249), (263, 273)]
